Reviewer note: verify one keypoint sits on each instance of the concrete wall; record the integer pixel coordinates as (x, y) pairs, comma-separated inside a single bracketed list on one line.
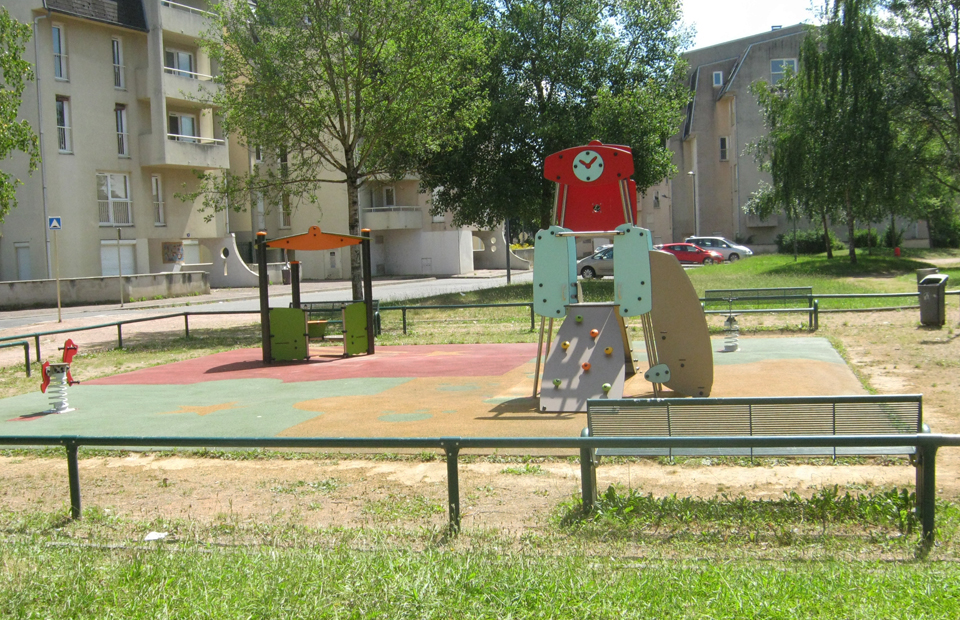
[(77, 291), (494, 252)]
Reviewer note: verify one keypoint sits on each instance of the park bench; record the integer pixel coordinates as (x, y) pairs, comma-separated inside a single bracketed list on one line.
[(776, 421), (758, 300)]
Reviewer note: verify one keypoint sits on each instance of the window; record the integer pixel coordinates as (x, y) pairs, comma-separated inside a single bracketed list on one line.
[(22, 249), (113, 198), (656, 200), (119, 80), (60, 52), (64, 134), (178, 62), (717, 79), (182, 127), (389, 196), (156, 185), (261, 213), (439, 218), (258, 154), (780, 66), (123, 138), (285, 212), (723, 148)]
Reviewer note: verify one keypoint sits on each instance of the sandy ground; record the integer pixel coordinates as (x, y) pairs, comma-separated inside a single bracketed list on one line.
[(888, 349)]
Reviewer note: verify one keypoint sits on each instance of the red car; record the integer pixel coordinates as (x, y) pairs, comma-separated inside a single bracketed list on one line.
[(689, 253)]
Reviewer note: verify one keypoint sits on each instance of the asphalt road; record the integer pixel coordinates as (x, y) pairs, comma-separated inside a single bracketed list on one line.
[(247, 299)]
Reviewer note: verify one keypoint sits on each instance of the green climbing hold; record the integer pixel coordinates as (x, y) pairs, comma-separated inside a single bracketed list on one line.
[(607, 387)]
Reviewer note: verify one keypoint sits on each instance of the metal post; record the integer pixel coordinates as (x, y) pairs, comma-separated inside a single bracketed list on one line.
[(264, 297), (56, 253), (536, 372), (36, 341), (588, 476), (533, 324), (119, 335), (295, 282), (120, 268), (26, 356), (452, 450), (816, 314), (403, 311), (186, 325), (73, 471), (927, 489), (506, 234), (368, 288)]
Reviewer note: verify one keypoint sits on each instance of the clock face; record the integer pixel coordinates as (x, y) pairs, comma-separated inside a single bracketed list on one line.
[(588, 165)]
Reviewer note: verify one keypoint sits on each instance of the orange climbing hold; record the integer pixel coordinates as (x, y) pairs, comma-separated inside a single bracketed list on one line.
[(586, 365), (594, 333)]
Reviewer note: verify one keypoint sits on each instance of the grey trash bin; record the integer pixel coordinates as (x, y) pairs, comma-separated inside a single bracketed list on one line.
[(933, 291), (285, 274), (923, 273)]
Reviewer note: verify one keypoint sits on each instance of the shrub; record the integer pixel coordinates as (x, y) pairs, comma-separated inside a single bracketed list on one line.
[(866, 238), (809, 241), (944, 228), (893, 237)]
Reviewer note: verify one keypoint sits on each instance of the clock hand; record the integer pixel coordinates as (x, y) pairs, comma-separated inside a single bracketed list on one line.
[(589, 165)]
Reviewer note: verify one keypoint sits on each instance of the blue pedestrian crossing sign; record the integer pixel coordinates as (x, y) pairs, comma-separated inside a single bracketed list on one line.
[(54, 223)]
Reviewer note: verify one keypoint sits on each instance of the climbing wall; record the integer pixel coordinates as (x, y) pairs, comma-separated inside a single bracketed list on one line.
[(590, 358)]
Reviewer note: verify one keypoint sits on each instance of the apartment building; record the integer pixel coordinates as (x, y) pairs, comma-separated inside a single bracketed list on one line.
[(121, 105), (717, 175)]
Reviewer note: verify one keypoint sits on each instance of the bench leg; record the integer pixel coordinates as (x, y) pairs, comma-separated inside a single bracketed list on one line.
[(588, 478), (927, 490)]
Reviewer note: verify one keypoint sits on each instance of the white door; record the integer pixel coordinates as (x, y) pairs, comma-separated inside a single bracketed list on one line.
[(23, 261), (191, 252), (108, 258)]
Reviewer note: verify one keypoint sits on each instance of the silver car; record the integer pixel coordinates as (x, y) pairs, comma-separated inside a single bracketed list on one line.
[(732, 252), (597, 265)]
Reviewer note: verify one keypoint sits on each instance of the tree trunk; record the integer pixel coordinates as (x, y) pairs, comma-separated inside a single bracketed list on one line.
[(547, 207), (826, 234), (353, 219), (851, 230)]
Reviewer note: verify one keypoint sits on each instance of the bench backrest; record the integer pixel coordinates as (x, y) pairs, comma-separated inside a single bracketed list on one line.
[(704, 417)]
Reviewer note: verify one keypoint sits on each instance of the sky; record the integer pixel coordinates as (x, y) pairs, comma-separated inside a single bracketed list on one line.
[(717, 21)]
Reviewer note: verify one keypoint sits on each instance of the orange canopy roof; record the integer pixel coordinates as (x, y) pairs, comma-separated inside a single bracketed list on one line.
[(315, 239)]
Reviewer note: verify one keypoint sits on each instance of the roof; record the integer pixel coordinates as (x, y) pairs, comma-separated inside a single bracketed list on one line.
[(123, 13)]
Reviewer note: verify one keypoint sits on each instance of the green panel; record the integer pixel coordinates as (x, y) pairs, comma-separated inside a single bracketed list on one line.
[(317, 329), (554, 273), (631, 270), (288, 334), (355, 328)]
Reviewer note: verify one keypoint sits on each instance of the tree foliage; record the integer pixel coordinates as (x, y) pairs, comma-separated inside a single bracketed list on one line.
[(561, 73), (14, 135), (835, 147), (339, 91)]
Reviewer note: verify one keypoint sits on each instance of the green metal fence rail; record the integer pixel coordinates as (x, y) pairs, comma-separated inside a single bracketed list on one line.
[(404, 309), (26, 352), (119, 325), (927, 445)]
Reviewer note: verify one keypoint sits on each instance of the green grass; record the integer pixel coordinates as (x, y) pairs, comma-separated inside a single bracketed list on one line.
[(199, 582)]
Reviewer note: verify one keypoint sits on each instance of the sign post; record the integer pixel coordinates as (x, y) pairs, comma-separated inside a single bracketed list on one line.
[(55, 224), (120, 266)]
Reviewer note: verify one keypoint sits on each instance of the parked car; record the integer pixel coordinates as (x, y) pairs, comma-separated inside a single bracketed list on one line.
[(598, 264), (731, 251), (689, 253)]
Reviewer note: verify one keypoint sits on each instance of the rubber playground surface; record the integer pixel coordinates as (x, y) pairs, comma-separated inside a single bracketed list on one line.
[(401, 391)]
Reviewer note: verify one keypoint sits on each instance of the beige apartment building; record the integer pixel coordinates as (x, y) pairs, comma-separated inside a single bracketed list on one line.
[(121, 105), (716, 175)]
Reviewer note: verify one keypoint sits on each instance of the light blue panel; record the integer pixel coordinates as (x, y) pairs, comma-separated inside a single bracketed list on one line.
[(554, 273), (631, 270)]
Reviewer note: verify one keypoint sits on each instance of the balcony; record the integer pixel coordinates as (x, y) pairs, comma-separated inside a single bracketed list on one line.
[(187, 86), (392, 218), (175, 151), (184, 19)]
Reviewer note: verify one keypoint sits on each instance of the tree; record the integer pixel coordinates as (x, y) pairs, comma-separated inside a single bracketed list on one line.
[(561, 73), (340, 91), (14, 136), (838, 120)]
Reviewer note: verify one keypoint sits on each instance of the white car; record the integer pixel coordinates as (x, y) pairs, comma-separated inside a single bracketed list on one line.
[(731, 251)]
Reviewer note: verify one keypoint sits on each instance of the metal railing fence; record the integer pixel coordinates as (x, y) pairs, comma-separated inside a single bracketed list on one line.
[(26, 352), (927, 445)]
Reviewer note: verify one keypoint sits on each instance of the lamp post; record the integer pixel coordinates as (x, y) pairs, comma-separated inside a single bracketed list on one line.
[(696, 205)]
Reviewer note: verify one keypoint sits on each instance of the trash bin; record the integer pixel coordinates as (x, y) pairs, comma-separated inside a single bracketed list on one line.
[(933, 293), (923, 273), (285, 274)]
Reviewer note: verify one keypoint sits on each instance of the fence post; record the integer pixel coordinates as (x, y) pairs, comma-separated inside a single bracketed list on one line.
[(186, 325), (452, 449), (119, 335), (533, 321), (36, 341), (588, 476), (26, 357), (404, 312), (927, 489), (73, 471)]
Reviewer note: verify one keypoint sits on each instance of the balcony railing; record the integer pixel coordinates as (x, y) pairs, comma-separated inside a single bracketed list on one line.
[(196, 139), (60, 66), (116, 212), (118, 77), (193, 75), (65, 139), (188, 9), (159, 218), (123, 144)]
